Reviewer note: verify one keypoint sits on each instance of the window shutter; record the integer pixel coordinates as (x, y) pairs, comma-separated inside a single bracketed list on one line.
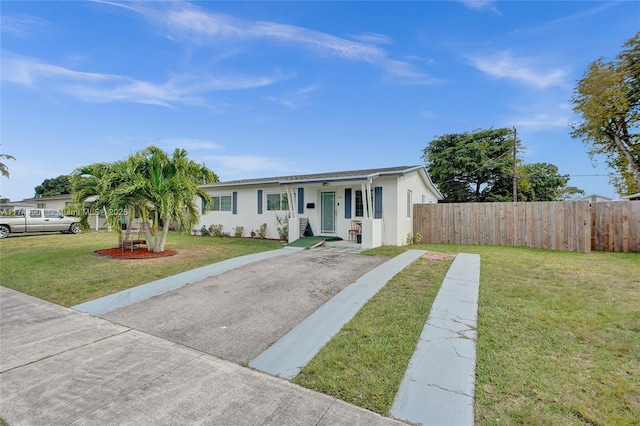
[(259, 201), (347, 203), (300, 200), (377, 203), (234, 202)]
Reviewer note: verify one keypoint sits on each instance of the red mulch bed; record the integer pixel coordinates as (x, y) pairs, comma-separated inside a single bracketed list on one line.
[(139, 253)]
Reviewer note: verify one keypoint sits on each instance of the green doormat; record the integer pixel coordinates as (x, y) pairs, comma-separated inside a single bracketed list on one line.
[(308, 242)]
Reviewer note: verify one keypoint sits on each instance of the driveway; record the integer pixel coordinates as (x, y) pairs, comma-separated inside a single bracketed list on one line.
[(238, 314)]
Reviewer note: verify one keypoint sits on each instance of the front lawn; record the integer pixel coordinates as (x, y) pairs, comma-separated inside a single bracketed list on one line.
[(558, 338), (62, 268)]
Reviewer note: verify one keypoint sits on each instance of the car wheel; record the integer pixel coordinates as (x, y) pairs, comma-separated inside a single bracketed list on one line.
[(4, 231), (75, 228)]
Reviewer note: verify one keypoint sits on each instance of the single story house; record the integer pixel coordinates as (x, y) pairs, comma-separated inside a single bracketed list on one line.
[(376, 204)]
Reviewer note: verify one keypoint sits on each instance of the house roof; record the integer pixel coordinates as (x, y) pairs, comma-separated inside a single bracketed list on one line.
[(632, 197), (592, 197), (322, 177)]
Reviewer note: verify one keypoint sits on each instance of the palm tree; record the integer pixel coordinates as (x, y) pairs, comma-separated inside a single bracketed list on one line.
[(172, 187), (4, 170), (161, 189)]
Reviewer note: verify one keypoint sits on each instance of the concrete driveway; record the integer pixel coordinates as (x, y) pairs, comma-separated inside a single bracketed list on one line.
[(238, 314)]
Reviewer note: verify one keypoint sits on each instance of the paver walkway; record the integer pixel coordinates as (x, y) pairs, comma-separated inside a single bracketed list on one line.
[(438, 385)]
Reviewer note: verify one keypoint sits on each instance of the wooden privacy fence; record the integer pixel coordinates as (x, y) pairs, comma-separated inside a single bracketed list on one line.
[(562, 225)]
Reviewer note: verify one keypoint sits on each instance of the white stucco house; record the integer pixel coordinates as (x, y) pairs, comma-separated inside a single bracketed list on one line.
[(332, 204)]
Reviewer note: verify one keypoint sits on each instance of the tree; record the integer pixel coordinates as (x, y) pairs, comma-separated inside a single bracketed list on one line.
[(543, 182), (56, 186), (472, 166), (4, 170), (160, 188), (608, 100)]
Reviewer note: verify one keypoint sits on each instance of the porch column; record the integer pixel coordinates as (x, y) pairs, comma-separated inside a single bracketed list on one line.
[(371, 233)]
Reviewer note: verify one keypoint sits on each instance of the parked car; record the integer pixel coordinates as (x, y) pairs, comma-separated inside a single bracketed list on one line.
[(38, 220)]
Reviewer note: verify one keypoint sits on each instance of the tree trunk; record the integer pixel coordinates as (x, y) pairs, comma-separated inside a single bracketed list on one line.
[(147, 232), (165, 231), (624, 150)]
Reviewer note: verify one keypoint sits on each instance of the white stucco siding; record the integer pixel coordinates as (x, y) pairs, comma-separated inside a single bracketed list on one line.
[(246, 211), (392, 229), (420, 189)]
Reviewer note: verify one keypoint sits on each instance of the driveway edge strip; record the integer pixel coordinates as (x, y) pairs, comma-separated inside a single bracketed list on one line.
[(438, 385), (142, 292), (295, 349)]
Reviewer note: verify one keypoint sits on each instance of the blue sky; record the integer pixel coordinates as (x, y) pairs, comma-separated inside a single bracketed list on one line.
[(257, 89)]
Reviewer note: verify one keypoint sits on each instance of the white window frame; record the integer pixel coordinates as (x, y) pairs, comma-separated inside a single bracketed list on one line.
[(220, 205), (283, 198), (362, 202)]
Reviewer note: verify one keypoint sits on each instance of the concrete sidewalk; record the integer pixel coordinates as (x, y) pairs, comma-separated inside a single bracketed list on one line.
[(60, 366)]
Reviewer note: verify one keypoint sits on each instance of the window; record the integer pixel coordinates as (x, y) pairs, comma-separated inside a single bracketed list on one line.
[(41, 205), (360, 203), (221, 203), (409, 202), (277, 201), (51, 214), (35, 213)]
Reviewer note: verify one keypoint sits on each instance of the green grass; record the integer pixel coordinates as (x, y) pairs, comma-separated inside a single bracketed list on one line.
[(558, 333), (558, 338), (365, 362), (62, 268)]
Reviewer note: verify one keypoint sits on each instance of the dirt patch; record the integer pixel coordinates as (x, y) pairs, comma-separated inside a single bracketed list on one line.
[(439, 257), (139, 253)]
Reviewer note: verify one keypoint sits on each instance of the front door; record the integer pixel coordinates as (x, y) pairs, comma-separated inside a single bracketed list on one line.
[(328, 213)]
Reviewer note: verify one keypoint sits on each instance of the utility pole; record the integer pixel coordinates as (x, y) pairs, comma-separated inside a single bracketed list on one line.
[(515, 179)]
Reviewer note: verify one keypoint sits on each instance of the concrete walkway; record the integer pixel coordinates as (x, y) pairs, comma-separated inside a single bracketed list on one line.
[(62, 367), (146, 291), (438, 385), (295, 349)]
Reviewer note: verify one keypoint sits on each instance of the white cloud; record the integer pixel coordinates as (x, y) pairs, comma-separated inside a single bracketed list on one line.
[(190, 144), (489, 5), (541, 121), (196, 25), (373, 38), (233, 167), (506, 65), (105, 88), (21, 26)]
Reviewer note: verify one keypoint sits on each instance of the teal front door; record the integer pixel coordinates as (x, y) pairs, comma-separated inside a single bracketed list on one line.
[(328, 213)]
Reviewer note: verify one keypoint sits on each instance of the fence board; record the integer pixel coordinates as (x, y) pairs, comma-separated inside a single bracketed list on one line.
[(560, 225)]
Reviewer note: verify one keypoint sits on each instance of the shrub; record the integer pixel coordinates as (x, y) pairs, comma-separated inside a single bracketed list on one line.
[(237, 231), (262, 231), (216, 231), (283, 226), (414, 239), (204, 231)]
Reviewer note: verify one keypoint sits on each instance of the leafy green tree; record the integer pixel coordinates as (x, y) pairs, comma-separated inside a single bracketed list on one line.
[(472, 166), (608, 100), (162, 189), (543, 182), (4, 170), (56, 186)]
